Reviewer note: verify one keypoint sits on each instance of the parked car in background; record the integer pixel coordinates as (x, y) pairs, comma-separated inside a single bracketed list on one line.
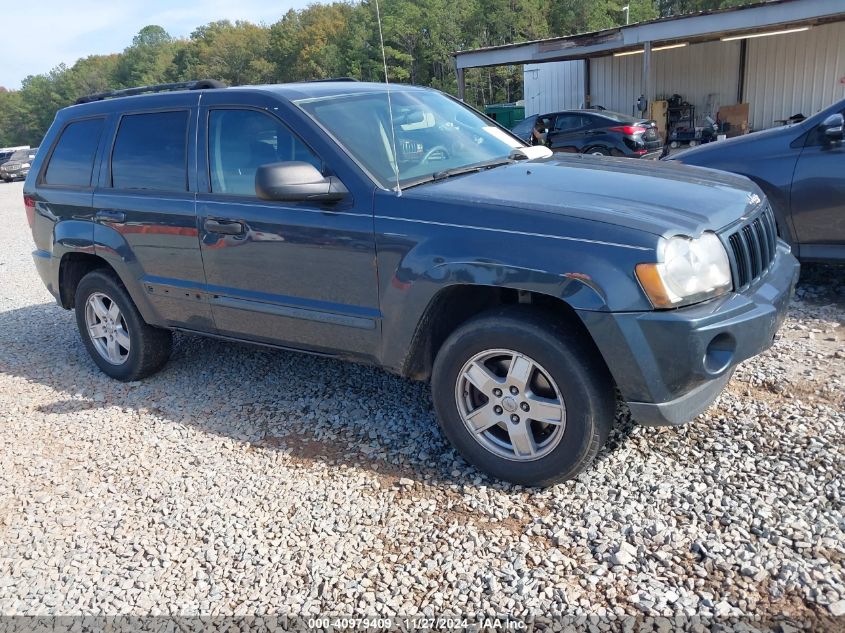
[(599, 132), (528, 288), (6, 152), (17, 167), (801, 168)]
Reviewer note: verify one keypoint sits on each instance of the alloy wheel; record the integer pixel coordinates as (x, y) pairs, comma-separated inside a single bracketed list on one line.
[(107, 328), (510, 404)]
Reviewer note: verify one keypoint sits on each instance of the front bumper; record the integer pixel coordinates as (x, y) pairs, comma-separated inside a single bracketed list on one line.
[(670, 365), (9, 176)]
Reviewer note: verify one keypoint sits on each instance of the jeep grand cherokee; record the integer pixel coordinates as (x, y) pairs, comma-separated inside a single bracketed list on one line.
[(397, 226)]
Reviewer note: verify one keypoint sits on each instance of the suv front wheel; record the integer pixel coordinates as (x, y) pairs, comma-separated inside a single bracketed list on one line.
[(115, 334), (522, 397)]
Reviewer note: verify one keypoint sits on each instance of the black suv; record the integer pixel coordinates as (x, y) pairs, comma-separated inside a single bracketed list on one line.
[(18, 164), (398, 227)]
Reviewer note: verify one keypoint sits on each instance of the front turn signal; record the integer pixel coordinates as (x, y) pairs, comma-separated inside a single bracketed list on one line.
[(652, 283)]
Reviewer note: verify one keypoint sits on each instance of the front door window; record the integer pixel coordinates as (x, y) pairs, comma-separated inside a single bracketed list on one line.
[(240, 141)]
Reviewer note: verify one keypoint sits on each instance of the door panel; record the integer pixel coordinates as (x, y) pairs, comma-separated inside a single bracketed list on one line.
[(145, 215), (294, 274), (569, 133), (156, 235), (818, 193)]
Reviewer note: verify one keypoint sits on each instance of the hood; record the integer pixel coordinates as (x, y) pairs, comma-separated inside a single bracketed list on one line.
[(657, 197), (755, 144)]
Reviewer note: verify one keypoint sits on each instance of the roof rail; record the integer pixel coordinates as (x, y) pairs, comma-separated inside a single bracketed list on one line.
[(201, 84), (319, 81)]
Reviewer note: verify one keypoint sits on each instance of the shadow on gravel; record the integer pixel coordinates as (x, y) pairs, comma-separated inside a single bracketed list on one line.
[(822, 284), (313, 408)]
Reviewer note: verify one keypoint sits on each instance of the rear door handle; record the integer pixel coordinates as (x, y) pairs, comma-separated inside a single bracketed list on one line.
[(110, 216), (224, 227)]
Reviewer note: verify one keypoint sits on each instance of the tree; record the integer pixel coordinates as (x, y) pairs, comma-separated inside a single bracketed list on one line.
[(147, 60), (233, 53), (676, 7), (309, 44)]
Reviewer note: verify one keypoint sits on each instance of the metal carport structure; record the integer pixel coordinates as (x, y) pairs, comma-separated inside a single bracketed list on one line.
[(735, 26)]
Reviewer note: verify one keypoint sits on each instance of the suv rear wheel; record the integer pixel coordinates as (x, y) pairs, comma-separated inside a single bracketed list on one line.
[(119, 341), (522, 398)]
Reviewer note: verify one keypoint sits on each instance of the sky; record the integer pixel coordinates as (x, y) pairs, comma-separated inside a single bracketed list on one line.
[(38, 35)]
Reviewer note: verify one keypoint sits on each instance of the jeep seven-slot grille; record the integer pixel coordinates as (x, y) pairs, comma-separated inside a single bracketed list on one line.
[(753, 247)]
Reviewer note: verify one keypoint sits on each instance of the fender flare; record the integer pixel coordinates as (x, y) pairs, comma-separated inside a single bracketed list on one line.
[(407, 305), (109, 245)]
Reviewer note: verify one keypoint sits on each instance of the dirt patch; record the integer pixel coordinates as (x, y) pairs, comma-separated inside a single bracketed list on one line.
[(304, 450)]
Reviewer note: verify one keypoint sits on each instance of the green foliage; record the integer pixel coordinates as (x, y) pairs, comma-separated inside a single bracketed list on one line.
[(330, 40)]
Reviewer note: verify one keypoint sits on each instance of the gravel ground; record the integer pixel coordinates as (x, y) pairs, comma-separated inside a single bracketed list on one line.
[(246, 481)]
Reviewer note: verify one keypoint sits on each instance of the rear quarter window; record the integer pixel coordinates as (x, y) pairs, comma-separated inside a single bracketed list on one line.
[(150, 152), (72, 161)]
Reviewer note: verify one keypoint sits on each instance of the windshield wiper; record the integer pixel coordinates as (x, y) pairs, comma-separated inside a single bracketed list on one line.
[(458, 171)]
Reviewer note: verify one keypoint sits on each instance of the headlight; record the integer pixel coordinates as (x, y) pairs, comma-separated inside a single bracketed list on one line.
[(688, 271), (24, 165)]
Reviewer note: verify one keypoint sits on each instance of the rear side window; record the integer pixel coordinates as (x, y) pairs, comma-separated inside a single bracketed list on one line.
[(72, 161), (150, 152), (566, 122)]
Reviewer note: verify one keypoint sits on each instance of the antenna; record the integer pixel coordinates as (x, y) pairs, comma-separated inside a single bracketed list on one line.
[(395, 161)]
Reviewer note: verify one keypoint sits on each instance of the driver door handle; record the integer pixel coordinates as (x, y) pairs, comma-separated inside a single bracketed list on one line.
[(224, 227)]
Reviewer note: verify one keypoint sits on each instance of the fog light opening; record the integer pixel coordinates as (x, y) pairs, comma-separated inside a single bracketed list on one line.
[(720, 353)]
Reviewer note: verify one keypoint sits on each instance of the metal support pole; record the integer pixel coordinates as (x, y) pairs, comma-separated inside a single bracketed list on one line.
[(740, 86), (588, 98), (647, 83), (461, 83)]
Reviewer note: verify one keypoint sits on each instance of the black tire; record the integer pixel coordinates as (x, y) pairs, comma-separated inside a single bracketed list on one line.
[(574, 365), (149, 347), (598, 151)]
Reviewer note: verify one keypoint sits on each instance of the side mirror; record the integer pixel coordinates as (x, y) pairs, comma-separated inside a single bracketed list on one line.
[(833, 127), (296, 181)]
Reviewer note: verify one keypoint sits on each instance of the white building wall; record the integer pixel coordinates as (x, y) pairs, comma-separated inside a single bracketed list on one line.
[(706, 75), (792, 73), (616, 82), (553, 86)]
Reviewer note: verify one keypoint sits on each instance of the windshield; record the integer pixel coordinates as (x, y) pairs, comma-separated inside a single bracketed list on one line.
[(431, 133)]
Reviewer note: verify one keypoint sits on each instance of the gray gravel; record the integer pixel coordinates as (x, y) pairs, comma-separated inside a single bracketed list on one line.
[(246, 481)]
